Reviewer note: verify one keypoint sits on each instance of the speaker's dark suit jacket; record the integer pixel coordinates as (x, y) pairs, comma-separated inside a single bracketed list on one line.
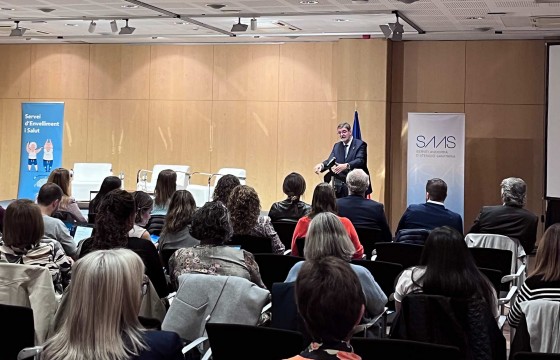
[(429, 216), (511, 221), (357, 158), (364, 213)]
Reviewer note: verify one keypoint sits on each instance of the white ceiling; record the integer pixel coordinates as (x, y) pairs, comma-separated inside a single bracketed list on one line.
[(325, 21)]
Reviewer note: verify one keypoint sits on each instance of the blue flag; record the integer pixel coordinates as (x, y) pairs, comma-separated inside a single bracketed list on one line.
[(356, 132)]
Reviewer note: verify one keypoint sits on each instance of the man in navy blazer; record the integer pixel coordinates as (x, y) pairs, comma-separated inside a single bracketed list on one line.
[(432, 213), (362, 212), (349, 154)]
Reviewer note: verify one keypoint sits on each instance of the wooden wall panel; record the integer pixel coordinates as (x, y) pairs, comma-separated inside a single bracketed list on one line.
[(505, 72), (306, 72), (119, 72), (362, 69), (14, 71), (117, 133), (306, 133), (244, 72), (181, 72), (429, 72), (59, 71), (10, 146), (245, 135), (179, 133)]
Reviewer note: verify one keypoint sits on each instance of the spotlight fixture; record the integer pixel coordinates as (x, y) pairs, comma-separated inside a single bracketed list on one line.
[(92, 26), (393, 31), (17, 31), (253, 24), (239, 27), (114, 27), (126, 30)]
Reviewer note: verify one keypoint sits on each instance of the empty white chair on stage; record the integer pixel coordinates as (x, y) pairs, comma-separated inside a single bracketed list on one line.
[(149, 186), (203, 193), (88, 177)]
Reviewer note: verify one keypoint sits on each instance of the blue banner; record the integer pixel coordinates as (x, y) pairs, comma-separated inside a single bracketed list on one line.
[(356, 132), (41, 145)]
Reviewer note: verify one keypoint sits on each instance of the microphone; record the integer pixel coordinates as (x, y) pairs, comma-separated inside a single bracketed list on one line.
[(330, 164)]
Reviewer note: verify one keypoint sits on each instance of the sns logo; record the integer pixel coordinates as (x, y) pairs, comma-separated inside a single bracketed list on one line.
[(446, 142)]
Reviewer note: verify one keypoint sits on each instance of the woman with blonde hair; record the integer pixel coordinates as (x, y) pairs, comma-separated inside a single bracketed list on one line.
[(106, 326), (62, 178), (166, 185), (544, 282)]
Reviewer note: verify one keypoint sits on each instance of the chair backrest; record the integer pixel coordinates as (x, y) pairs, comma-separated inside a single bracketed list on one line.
[(274, 267), (368, 239), (495, 259), (403, 349), (240, 173), (300, 244), (543, 324), (155, 224), (285, 230), (494, 276), (412, 236), (21, 318), (252, 244), (267, 343), (405, 254), (91, 172), (385, 274), (182, 178), (65, 216), (500, 242)]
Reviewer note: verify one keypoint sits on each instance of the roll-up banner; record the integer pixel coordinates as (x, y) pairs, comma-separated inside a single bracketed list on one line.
[(41, 145), (436, 149)]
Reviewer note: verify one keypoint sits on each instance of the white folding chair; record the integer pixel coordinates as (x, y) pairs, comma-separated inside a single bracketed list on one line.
[(88, 177)]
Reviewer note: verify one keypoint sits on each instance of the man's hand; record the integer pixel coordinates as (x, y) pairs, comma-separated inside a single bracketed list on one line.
[(338, 168), (318, 168)]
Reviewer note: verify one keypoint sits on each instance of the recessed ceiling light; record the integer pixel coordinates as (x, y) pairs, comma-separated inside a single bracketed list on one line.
[(71, 24), (215, 6), (154, 37), (8, 9), (341, 20), (129, 6), (308, 2), (46, 10), (475, 18)]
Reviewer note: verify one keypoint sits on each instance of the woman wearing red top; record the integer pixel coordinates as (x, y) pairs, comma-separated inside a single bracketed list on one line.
[(324, 200)]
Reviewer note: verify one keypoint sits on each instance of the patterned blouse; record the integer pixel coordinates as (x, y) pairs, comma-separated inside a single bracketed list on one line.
[(48, 253), (214, 260), (332, 351), (264, 229)]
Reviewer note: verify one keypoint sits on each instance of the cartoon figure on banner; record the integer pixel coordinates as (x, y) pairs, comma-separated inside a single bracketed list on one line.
[(48, 155), (32, 152)]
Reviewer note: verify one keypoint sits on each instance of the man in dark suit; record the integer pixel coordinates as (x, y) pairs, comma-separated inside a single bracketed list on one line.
[(362, 212), (349, 154), (432, 213), (509, 219)]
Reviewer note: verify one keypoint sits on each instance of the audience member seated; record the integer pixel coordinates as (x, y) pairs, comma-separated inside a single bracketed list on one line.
[(110, 183), (144, 205), (61, 177), (362, 212), (224, 187), (447, 269), (292, 208), (328, 237), (212, 226), (432, 213), (115, 218), (245, 208), (324, 200), (330, 300), (166, 185), (48, 199), (509, 219), (23, 242), (101, 317), (544, 281), (176, 232)]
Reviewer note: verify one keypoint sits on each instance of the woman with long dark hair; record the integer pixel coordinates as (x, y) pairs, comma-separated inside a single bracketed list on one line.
[(176, 232), (166, 185), (109, 183), (291, 208)]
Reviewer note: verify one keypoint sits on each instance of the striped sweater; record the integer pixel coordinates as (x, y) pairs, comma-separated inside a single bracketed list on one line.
[(534, 288)]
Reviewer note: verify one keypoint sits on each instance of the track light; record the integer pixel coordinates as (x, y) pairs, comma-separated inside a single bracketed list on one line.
[(91, 27), (17, 31), (393, 31), (253, 24), (239, 27), (126, 30), (114, 27)]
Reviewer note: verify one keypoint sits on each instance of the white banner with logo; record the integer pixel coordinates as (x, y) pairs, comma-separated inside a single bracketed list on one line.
[(436, 149)]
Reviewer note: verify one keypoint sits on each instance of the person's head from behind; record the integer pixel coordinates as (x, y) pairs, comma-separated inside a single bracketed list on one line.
[(114, 219), (358, 182), (548, 255), (514, 191), (329, 298), (101, 318), (244, 207), (23, 224), (211, 224), (49, 197), (61, 177), (110, 183), (224, 187), (166, 185), (324, 200), (293, 186), (144, 206), (327, 236), (181, 209), (436, 190)]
